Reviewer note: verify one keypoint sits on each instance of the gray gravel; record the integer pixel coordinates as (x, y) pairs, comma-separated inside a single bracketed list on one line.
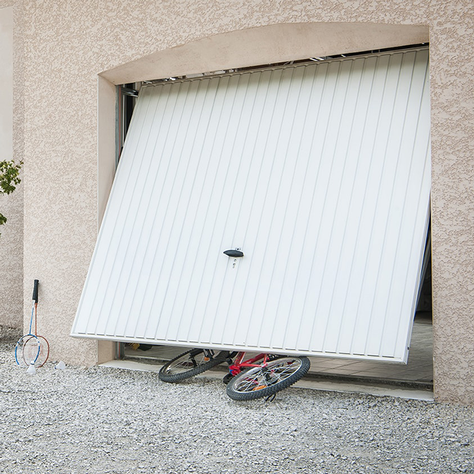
[(103, 420)]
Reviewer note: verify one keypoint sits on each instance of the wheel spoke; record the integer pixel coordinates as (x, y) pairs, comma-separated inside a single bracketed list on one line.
[(263, 377), (189, 364)]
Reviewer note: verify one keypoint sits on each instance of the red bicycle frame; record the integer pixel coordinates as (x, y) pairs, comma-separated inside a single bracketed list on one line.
[(239, 363)]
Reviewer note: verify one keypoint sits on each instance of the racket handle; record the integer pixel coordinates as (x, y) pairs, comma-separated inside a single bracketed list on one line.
[(35, 291)]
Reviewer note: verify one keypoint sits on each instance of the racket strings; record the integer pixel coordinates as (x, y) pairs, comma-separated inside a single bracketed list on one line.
[(32, 349)]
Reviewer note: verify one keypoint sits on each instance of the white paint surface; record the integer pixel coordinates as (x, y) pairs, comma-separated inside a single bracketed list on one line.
[(319, 173)]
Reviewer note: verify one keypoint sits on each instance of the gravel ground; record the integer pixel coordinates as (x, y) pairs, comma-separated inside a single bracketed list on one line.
[(103, 420)]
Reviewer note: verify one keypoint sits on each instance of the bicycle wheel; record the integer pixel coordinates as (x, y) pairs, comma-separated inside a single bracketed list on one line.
[(261, 382), (189, 364)]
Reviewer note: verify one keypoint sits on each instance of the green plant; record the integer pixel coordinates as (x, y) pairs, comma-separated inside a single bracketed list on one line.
[(9, 180)]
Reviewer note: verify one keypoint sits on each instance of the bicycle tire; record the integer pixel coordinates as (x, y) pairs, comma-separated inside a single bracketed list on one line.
[(188, 364), (265, 381)]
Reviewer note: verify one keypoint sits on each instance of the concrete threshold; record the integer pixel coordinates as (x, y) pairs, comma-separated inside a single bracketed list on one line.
[(311, 381)]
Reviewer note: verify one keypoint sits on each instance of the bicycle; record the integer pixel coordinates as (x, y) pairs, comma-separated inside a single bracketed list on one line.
[(262, 375)]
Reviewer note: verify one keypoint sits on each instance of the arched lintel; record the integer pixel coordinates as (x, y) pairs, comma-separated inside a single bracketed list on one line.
[(265, 45)]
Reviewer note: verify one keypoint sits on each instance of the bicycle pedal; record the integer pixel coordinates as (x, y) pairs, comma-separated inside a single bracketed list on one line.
[(274, 356)]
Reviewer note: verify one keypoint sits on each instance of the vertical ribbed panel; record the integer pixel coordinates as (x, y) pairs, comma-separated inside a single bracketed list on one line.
[(321, 175)]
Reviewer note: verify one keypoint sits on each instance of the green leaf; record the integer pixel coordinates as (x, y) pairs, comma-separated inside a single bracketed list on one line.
[(9, 180), (9, 176)]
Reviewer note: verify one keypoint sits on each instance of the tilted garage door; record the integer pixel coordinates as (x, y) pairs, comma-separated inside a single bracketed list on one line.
[(318, 173)]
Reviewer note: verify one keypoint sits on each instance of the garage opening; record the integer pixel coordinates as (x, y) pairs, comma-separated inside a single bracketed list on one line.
[(338, 196)]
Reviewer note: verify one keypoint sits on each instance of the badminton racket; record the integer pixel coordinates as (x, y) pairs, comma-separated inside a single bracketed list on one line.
[(31, 348)]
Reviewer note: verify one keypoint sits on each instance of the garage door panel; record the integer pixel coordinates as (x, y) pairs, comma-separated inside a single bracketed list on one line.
[(320, 173)]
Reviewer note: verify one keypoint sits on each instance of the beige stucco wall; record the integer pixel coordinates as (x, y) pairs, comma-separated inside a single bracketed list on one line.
[(66, 46), (11, 206)]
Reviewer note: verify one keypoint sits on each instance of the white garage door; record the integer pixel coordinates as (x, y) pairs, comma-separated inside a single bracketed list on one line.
[(319, 174)]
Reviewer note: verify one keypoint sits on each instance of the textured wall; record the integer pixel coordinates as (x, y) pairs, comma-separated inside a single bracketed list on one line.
[(11, 240), (66, 44), (452, 103)]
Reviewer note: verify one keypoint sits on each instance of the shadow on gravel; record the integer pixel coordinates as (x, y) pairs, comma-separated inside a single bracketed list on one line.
[(8, 334)]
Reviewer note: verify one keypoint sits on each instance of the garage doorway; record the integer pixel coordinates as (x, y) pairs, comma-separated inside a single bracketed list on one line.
[(418, 370)]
